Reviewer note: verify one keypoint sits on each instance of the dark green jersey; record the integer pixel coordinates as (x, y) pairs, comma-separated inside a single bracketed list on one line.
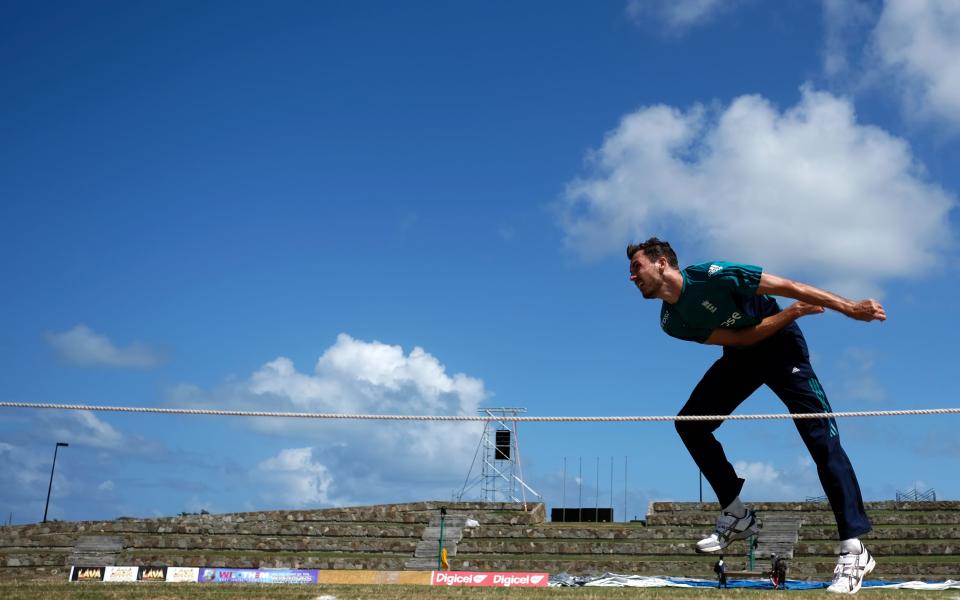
[(716, 294)]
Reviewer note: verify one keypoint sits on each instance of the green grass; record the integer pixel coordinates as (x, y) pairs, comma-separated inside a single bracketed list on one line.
[(187, 591)]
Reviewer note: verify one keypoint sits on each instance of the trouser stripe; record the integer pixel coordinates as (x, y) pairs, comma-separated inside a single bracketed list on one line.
[(822, 397)]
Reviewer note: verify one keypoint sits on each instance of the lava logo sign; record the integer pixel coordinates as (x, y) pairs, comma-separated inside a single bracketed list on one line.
[(466, 578), (154, 574), (87, 573)]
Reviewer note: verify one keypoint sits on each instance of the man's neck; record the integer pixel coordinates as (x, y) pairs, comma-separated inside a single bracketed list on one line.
[(672, 286)]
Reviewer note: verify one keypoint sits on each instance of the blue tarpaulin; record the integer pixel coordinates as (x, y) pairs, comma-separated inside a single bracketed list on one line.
[(614, 580)]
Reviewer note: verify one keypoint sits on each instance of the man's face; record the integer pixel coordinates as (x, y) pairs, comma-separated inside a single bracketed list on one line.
[(647, 275)]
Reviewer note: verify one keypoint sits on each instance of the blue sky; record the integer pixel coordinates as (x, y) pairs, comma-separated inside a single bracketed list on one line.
[(422, 209)]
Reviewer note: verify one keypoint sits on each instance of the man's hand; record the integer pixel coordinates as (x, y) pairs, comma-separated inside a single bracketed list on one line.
[(803, 309), (867, 310)]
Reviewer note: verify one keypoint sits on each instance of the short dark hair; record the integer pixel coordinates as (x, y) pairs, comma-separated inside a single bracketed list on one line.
[(653, 249)]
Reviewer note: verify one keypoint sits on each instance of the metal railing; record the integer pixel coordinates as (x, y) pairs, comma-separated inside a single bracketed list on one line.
[(916, 495)]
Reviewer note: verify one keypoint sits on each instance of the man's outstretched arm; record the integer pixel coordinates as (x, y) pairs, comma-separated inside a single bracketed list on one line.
[(864, 310)]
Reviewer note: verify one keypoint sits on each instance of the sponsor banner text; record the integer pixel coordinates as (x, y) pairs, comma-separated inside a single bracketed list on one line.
[(217, 575), (153, 574), (87, 573), (120, 573), (183, 574), (473, 579)]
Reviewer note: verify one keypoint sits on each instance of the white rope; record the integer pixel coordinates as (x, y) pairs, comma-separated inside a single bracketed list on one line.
[(571, 419)]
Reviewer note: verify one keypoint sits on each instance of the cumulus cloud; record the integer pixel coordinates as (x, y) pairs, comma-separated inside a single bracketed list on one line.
[(350, 461), (764, 481), (83, 347), (676, 14), (295, 478), (808, 191), (917, 44), (358, 376)]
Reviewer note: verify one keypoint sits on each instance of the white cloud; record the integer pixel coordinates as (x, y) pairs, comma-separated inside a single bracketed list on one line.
[(807, 191), (83, 347), (757, 472), (765, 482), (846, 25), (23, 483), (365, 461), (83, 428), (356, 376), (84, 480), (677, 14), (917, 43), (23, 471), (294, 478)]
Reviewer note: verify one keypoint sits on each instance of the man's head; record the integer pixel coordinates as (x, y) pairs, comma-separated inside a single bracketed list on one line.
[(648, 262)]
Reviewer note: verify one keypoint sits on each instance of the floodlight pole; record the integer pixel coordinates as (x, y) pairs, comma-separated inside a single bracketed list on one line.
[(50, 486)]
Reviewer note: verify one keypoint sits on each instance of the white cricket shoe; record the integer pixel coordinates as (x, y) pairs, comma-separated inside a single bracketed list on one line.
[(729, 528), (850, 571)]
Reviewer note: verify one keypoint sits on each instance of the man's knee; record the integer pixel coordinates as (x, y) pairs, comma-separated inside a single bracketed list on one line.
[(693, 430)]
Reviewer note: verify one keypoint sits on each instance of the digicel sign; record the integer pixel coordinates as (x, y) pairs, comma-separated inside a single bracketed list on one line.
[(467, 578)]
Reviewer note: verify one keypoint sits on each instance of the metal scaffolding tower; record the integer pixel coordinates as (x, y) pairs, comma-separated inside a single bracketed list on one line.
[(498, 456)]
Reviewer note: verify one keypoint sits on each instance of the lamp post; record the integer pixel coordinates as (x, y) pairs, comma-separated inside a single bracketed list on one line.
[(50, 487)]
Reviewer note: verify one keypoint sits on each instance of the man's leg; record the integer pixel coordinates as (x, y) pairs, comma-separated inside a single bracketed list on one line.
[(801, 392), (725, 385), (723, 388), (793, 380)]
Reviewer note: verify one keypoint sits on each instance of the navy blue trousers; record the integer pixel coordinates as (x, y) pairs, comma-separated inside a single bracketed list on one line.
[(783, 364)]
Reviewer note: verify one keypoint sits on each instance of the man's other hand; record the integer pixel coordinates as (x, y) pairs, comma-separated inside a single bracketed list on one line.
[(867, 310), (803, 308)]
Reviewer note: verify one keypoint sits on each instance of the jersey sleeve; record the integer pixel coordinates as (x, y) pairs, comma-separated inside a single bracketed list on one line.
[(740, 279)]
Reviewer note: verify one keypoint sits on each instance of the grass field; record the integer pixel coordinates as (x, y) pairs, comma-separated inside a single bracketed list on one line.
[(187, 591)]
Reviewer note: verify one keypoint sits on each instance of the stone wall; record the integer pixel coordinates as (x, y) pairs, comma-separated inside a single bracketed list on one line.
[(910, 540), (379, 537)]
